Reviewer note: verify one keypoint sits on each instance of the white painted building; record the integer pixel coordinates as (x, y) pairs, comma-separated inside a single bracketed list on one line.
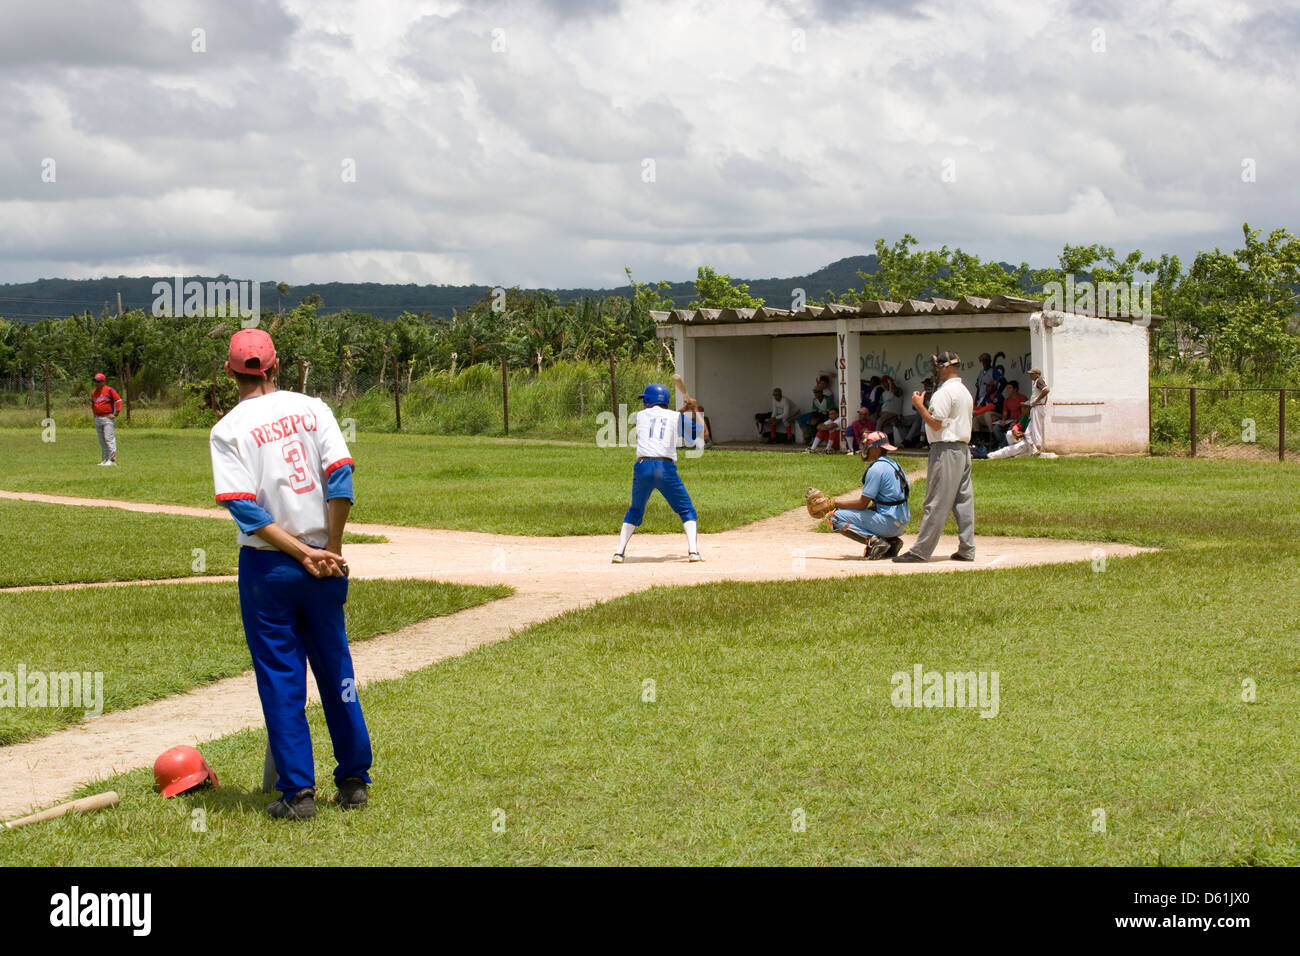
[(731, 359)]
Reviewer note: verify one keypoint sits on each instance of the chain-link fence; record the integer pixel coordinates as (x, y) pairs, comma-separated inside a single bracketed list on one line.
[(1225, 422)]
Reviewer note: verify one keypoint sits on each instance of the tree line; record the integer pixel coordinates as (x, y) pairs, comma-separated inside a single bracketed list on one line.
[(1230, 311)]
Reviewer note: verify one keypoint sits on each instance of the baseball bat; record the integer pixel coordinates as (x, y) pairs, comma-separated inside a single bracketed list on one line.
[(100, 801), (681, 389)]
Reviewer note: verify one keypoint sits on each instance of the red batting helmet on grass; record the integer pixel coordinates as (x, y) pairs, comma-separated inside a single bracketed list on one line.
[(180, 769)]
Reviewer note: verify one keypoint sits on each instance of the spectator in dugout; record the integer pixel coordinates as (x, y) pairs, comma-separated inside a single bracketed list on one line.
[(1018, 446), (784, 415), (828, 432), (988, 389), (872, 392), (890, 415), (987, 414), (1013, 407), (857, 430), (822, 408)]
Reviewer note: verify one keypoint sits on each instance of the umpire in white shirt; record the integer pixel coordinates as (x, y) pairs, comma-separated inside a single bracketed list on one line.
[(947, 477)]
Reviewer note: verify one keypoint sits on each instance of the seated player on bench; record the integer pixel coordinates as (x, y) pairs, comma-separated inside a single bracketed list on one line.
[(877, 515)]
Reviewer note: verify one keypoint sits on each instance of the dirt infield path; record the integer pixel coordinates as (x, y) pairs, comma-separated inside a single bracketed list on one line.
[(550, 576)]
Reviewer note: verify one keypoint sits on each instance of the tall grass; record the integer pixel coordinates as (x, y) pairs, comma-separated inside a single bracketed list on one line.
[(560, 401)]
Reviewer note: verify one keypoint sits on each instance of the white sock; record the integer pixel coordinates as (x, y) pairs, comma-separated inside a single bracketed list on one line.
[(692, 529), (624, 536), (814, 444)]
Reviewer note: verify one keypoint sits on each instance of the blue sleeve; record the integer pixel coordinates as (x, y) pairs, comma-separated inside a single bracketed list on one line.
[(339, 484), (690, 428), (871, 487), (248, 514)]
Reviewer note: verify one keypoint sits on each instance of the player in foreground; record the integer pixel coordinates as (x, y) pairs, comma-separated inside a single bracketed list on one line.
[(876, 515), (281, 467), (659, 431)]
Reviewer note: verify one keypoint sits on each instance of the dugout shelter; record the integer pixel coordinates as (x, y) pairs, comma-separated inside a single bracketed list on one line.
[(1096, 365)]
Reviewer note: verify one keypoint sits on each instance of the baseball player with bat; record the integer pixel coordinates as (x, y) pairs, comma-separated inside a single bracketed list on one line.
[(281, 467), (659, 432)]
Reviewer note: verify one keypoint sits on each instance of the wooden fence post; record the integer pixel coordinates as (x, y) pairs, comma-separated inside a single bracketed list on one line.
[(47, 389), (397, 394), (613, 394), (303, 365), (126, 388), (505, 399), (1191, 401), (1281, 424)]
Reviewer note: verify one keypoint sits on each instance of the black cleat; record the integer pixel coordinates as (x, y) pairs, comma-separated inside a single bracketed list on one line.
[(879, 549), (301, 806), (958, 556), (352, 793), (895, 546), (909, 558)]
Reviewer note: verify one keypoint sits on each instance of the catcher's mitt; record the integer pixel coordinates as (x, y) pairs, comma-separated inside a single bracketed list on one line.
[(819, 504)]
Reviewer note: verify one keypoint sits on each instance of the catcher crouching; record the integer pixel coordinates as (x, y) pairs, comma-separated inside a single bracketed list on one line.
[(875, 516)]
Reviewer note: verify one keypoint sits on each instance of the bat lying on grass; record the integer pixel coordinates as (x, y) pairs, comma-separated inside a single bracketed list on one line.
[(99, 801)]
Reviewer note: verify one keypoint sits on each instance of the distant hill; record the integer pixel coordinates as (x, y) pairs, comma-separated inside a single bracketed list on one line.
[(58, 298)]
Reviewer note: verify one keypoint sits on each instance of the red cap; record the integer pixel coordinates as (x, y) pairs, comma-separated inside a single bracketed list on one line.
[(100, 377), (251, 352)]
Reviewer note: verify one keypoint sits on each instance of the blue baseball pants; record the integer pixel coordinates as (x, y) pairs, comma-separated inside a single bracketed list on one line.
[(292, 619), (661, 476)]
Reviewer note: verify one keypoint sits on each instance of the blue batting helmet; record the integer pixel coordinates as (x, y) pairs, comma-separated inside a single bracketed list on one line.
[(655, 395)]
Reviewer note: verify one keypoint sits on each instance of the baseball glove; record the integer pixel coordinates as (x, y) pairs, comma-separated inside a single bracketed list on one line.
[(819, 504)]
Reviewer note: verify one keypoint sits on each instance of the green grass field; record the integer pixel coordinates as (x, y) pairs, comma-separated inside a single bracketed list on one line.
[(472, 484), (153, 641), (56, 544), (1121, 691)]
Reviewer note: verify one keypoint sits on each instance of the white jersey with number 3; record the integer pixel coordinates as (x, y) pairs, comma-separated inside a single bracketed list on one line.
[(659, 431), (279, 450)]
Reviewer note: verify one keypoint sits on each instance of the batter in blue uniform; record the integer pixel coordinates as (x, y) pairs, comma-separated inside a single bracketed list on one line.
[(659, 432), (281, 467)]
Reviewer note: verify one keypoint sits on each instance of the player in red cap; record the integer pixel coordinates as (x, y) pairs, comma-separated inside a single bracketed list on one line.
[(281, 467), (105, 405)]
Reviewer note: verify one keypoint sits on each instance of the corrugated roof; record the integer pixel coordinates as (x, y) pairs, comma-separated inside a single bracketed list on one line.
[(966, 305)]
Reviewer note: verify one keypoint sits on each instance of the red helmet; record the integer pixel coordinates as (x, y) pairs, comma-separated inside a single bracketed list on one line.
[(180, 769)]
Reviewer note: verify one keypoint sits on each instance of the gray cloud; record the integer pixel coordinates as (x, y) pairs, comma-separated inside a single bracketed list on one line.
[(507, 142)]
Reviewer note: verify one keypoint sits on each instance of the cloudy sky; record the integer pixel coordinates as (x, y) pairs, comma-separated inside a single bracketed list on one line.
[(553, 143)]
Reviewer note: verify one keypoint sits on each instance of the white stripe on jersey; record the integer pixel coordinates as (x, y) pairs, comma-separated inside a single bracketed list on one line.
[(278, 450), (659, 432)]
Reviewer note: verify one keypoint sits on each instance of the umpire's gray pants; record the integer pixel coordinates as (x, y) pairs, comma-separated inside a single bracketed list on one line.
[(107, 437), (947, 489)]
